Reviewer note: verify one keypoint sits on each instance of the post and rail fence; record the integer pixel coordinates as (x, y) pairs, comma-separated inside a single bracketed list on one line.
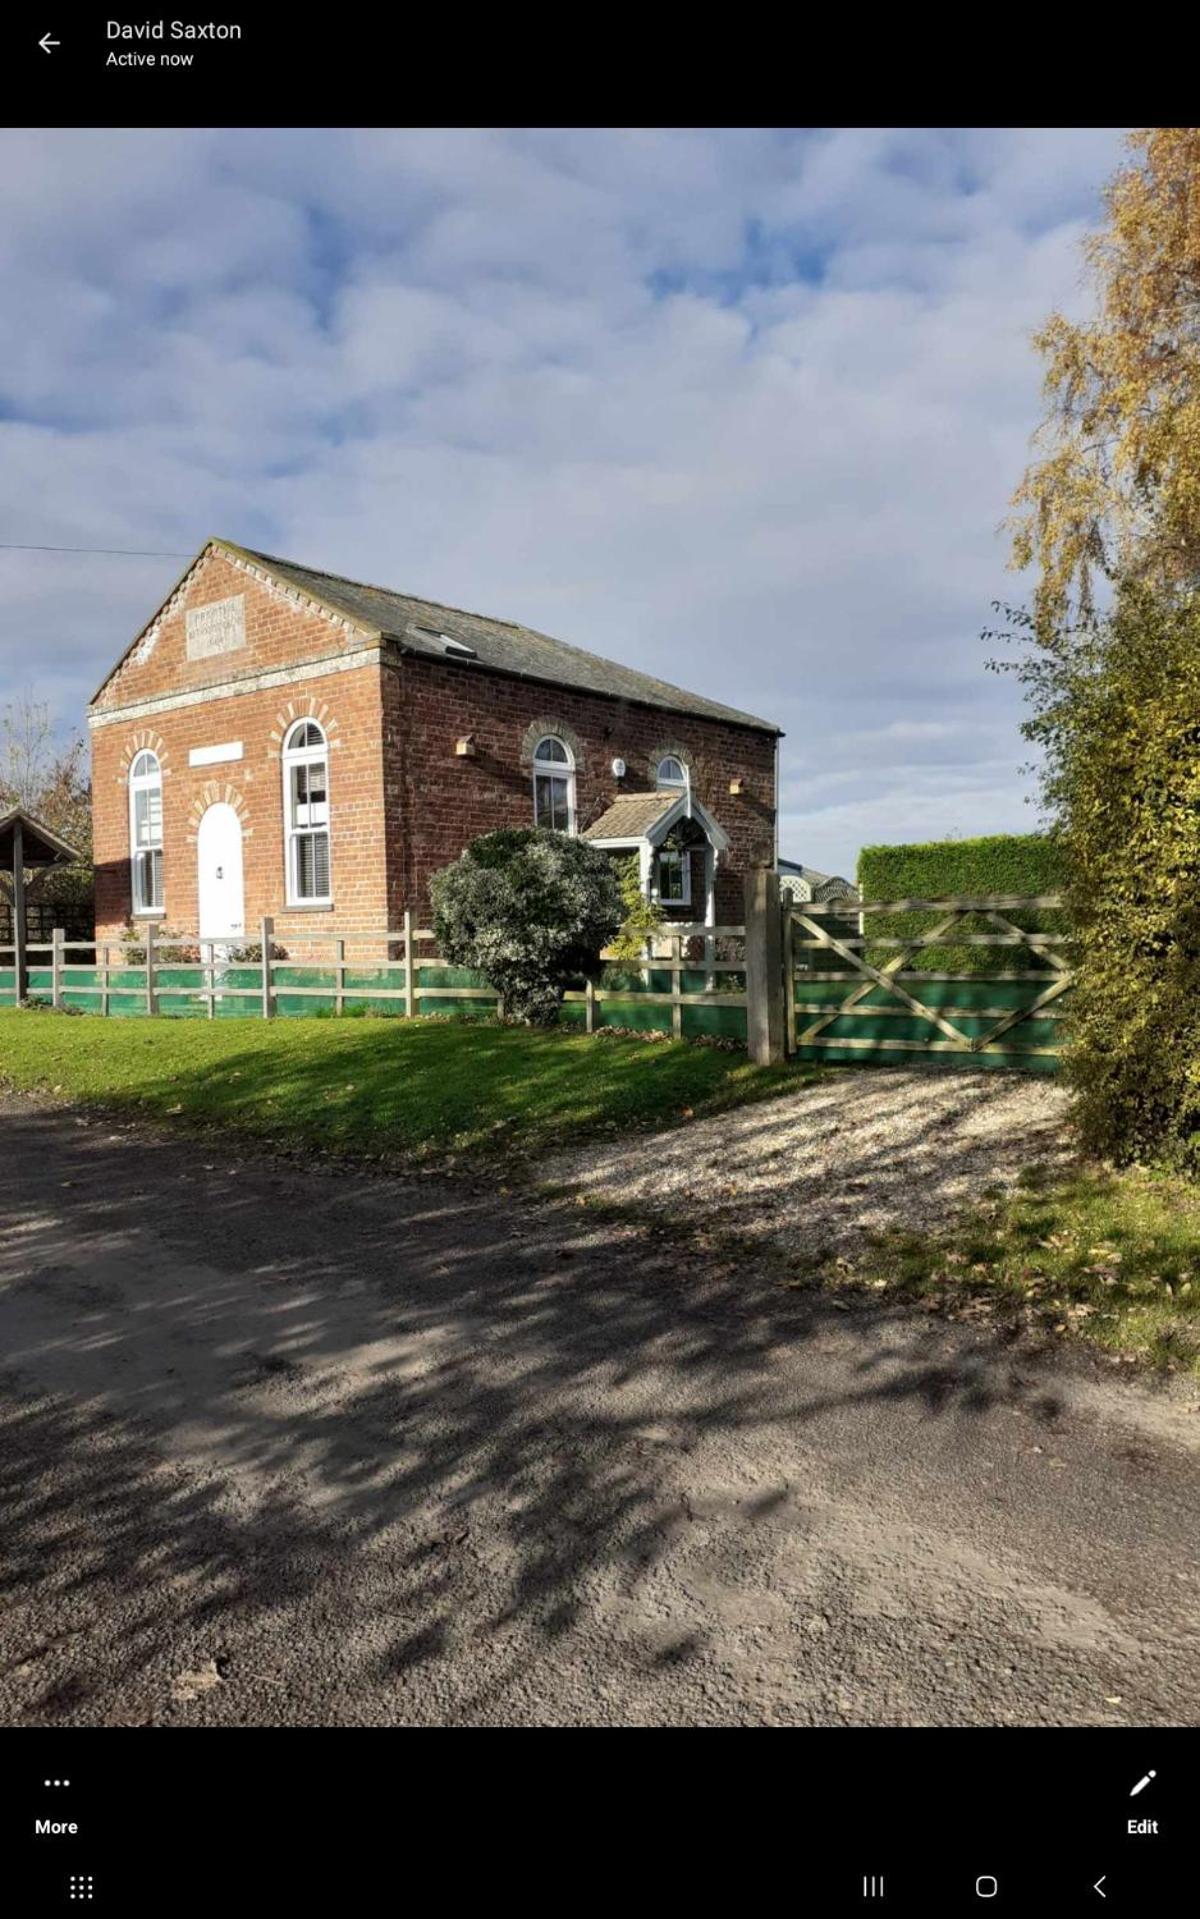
[(681, 985), (823, 982)]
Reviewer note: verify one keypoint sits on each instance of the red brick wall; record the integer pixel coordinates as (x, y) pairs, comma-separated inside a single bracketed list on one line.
[(348, 707), (281, 631), (279, 634), (448, 801), (402, 803)]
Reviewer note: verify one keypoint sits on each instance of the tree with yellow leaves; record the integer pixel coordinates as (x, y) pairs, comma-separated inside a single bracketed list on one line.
[(1113, 488)]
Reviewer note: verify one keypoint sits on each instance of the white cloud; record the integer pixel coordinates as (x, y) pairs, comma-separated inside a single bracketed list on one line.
[(742, 408)]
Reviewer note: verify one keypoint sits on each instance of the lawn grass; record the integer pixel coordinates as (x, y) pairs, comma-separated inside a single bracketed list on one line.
[(1112, 1256), (381, 1086)]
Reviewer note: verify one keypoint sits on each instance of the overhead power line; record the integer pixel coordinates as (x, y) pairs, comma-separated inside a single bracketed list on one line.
[(119, 552)]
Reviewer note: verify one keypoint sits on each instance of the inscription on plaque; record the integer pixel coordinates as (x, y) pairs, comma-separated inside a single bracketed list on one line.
[(219, 628)]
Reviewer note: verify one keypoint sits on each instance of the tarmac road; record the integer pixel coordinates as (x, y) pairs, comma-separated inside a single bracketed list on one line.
[(282, 1444)]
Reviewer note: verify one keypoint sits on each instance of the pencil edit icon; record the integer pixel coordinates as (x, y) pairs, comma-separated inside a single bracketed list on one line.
[(1142, 1784)]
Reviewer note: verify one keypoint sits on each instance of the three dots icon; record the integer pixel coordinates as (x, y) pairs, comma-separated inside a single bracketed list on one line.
[(81, 1885), (56, 1782)]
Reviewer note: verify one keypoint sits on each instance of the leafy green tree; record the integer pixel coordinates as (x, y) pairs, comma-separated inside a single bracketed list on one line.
[(1113, 488), (1115, 708), (529, 909)]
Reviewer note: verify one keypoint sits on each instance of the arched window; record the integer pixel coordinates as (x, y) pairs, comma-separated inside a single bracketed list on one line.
[(553, 785), (671, 773), (306, 814), (146, 833)]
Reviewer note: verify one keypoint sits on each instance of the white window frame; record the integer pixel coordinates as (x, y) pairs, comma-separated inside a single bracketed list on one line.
[(563, 769), (307, 755), (665, 784), (684, 856), (147, 781)]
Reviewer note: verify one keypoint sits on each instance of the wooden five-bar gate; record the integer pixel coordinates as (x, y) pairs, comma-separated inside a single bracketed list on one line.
[(856, 992)]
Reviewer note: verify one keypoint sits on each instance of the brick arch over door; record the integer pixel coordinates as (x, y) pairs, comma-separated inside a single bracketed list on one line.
[(217, 793)]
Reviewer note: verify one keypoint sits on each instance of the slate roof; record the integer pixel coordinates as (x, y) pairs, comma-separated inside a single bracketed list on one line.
[(630, 816), (418, 626)]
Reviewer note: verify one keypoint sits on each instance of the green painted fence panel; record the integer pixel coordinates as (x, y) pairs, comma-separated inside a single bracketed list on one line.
[(1015, 1048), (637, 1016), (926, 1061), (127, 996), (127, 992)]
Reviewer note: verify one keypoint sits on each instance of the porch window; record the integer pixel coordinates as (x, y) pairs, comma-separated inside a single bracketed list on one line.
[(554, 785), (674, 877), (306, 814), (146, 833)]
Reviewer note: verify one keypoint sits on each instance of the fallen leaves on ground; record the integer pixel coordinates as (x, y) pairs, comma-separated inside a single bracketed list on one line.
[(192, 1685)]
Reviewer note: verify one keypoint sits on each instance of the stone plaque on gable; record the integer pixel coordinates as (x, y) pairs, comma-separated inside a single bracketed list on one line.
[(219, 628)]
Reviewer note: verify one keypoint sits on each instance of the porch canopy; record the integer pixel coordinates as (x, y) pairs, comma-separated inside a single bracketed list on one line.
[(27, 842), (643, 822)]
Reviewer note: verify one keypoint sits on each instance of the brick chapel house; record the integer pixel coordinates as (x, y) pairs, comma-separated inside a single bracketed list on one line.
[(279, 741)]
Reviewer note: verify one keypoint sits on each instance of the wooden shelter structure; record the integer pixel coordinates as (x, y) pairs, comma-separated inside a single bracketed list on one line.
[(27, 842)]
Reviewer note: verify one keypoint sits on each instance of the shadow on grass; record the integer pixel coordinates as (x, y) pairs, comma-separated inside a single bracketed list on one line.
[(384, 1085), (1111, 1255)]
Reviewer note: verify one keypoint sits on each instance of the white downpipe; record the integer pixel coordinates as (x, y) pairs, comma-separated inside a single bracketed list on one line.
[(645, 867), (711, 857)]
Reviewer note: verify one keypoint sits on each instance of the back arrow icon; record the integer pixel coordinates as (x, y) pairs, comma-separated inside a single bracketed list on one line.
[(1099, 1885), (45, 43)]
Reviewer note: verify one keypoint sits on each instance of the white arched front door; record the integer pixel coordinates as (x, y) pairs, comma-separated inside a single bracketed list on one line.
[(219, 859)]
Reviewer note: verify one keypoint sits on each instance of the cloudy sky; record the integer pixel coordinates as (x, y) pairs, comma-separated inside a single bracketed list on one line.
[(741, 408)]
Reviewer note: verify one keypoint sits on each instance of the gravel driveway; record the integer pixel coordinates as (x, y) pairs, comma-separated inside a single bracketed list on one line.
[(280, 1444), (818, 1169)]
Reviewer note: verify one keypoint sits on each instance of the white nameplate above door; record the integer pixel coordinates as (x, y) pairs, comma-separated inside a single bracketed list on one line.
[(215, 755)]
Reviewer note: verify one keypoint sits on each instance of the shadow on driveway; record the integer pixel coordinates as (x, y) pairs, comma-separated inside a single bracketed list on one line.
[(359, 1449)]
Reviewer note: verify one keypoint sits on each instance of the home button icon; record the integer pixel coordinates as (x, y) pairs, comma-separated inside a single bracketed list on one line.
[(986, 1886)]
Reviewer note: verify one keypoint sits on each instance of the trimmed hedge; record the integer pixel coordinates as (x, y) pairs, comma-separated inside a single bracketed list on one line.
[(933, 869), (940, 869)]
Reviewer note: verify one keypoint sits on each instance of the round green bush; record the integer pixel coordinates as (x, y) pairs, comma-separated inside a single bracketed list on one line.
[(530, 909)]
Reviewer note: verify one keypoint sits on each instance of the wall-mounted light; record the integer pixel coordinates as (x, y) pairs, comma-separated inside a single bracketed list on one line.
[(618, 767), (465, 748), (735, 786)]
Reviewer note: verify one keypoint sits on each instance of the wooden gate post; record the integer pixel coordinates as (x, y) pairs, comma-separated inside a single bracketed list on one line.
[(151, 997), (266, 934), (56, 967), (410, 968), (789, 978), (20, 961), (764, 967)]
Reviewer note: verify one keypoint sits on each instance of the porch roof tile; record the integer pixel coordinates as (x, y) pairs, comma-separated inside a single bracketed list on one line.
[(630, 816)]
